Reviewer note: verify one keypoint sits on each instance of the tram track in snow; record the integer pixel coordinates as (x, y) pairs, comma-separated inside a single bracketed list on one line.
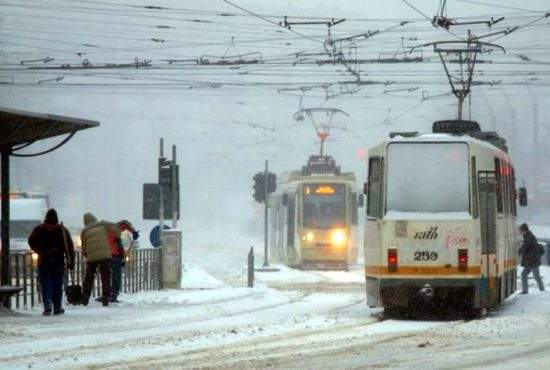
[(276, 354), (284, 348), (150, 322), (268, 345), (143, 338), (50, 329)]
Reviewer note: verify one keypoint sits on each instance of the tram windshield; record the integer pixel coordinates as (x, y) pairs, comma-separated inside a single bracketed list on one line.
[(324, 206), (427, 177)]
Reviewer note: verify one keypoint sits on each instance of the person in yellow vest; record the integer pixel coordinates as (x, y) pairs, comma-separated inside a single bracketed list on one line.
[(97, 251)]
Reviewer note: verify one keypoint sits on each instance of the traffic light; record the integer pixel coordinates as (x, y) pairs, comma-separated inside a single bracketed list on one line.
[(260, 185), (271, 183), (166, 173)]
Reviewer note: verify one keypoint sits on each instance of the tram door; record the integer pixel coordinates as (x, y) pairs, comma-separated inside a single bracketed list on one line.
[(487, 218)]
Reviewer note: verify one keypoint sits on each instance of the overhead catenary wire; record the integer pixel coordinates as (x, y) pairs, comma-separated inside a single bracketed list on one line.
[(284, 66), (269, 21), (499, 6)]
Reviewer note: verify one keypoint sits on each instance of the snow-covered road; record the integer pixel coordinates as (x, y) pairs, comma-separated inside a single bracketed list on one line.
[(291, 319)]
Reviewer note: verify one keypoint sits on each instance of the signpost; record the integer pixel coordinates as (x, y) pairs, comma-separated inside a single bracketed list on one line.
[(161, 200), (154, 236)]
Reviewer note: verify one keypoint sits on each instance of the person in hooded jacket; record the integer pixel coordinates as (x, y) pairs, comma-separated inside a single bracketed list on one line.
[(530, 252), (96, 248), (53, 243)]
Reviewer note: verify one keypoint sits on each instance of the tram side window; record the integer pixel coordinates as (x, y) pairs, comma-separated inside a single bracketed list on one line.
[(513, 190), (291, 209), (504, 186), (474, 188), (374, 185), (509, 189), (498, 186)]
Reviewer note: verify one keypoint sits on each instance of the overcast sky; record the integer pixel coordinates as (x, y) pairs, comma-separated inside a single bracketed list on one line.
[(226, 120)]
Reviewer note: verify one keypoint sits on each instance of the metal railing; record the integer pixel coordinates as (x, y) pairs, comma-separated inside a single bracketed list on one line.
[(142, 272)]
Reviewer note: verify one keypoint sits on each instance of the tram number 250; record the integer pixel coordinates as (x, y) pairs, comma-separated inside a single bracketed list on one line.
[(425, 256)]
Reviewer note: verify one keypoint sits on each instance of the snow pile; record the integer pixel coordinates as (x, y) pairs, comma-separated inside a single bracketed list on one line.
[(535, 302), (295, 276), (287, 275), (353, 276), (194, 277), (182, 297)]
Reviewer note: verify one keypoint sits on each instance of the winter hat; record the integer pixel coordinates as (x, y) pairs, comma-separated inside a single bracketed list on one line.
[(51, 217), (524, 227), (89, 219)]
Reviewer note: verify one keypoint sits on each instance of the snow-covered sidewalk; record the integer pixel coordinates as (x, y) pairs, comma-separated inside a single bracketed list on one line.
[(205, 313), (208, 323)]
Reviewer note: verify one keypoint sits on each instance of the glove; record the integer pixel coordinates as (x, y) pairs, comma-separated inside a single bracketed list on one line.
[(123, 263), (135, 235)]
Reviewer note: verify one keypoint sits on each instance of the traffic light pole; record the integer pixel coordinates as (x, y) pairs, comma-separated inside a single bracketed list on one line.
[(266, 263), (174, 190), (161, 195)]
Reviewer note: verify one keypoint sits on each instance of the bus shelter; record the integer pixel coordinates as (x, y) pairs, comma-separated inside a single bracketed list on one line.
[(19, 130)]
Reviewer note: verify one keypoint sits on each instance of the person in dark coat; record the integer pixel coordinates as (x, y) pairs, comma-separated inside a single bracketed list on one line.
[(53, 244), (530, 258)]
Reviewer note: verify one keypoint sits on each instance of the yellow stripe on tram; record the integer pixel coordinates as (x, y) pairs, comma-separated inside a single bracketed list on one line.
[(423, 270)]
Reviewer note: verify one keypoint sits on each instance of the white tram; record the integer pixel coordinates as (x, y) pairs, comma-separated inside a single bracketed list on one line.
[(440, 219), (313, 217)]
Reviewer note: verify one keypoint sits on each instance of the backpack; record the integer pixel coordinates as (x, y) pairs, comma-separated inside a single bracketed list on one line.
[(539, 250)]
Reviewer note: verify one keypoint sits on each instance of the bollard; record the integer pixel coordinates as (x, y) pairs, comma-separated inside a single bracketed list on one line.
[(251, 267)]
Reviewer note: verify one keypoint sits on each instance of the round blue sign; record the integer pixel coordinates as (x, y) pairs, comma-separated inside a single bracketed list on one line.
[(154, 235)]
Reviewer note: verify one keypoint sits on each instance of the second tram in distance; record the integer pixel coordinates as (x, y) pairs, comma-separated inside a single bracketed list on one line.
[(313, 217)]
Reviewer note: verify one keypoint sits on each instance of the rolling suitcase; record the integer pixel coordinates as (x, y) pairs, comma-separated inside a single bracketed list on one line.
[(73, 291)]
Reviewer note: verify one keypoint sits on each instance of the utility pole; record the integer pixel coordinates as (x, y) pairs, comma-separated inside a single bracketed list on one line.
[(266, 263), (161, 195)]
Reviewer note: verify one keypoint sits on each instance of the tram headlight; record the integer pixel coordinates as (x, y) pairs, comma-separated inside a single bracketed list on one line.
[(309, 237), (338, 237)]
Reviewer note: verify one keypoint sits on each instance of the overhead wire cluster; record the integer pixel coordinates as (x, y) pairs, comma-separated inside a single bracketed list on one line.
[(227, 47)]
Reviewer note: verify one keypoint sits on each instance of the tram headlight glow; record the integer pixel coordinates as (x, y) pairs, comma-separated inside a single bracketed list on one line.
[(338, 237), (309, 236)]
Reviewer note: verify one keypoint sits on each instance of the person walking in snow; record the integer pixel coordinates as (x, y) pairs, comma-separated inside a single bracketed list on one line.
[(97, 251), (530, 253), (53, 243), (118, 257), (117, 262)]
